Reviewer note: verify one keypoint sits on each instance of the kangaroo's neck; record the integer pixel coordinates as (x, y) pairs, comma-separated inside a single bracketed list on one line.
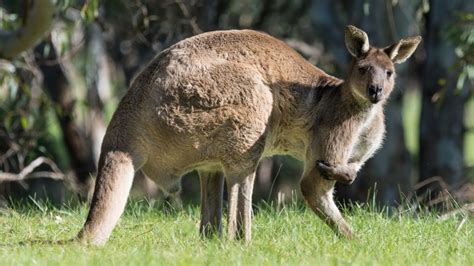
[(355, 103), (339, 105), (292, 116)]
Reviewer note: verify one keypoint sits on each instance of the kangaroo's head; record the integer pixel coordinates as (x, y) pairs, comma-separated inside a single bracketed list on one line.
[(372, 73)]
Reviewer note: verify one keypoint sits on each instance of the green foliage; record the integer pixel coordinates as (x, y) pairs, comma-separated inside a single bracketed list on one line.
[(461, 34), (28, 125), (8, 21), (21, 109), (90, 10), (469, 137), (292, 236), (411, 119)]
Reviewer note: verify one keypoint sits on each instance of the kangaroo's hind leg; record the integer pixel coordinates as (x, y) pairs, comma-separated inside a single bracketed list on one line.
[(240, 207), (244, 208), (113, 184), (212, 190)]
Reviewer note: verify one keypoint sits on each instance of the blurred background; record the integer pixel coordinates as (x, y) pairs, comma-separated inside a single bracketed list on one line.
[(61, 80)]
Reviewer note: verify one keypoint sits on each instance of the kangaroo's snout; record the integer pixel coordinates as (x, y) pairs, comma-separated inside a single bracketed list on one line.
[(375, 93)]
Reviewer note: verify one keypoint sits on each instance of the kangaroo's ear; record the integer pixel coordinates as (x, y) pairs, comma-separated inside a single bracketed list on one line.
[(357, 42), (402, 50)]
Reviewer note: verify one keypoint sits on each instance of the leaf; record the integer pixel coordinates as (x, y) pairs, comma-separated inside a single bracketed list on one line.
[(24, 122), (90, 10), (46, 50), (470, 71), (7, 122)]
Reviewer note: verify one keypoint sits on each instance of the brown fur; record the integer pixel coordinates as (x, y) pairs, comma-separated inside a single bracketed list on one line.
[(219, 102)]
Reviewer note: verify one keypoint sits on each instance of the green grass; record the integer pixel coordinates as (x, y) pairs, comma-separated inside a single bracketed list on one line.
[(294, 236)]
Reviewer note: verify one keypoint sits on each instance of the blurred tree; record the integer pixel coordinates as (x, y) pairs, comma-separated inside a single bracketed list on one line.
[(96, 48), (50, 69), (24, 109), (36, 21), (442, 129), (57, 85)]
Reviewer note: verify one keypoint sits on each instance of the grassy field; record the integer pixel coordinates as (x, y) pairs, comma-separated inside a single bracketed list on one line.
[(293, 236)]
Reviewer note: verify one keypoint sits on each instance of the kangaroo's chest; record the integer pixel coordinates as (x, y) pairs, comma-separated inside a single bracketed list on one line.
[(362, 146), (369, 139)]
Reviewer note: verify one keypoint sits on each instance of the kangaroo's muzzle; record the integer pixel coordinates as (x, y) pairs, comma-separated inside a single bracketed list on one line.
[(375, 93)]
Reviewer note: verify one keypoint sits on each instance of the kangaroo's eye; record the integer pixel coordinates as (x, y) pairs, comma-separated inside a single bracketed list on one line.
[(363, 70), (389, 73)]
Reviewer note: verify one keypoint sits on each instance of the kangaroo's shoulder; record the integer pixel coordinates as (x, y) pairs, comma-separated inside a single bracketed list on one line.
[(326, 86)]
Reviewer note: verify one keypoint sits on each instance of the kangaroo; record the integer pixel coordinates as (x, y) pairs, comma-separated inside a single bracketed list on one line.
[(220, 101)]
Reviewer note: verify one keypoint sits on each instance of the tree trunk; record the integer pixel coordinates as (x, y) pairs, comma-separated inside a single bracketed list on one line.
[(99, 87), (208, 12), (442, 131), (78, 146), (328, 19), (37, 18)]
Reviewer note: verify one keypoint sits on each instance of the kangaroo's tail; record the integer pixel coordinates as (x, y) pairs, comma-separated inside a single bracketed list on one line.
[(114, 180)]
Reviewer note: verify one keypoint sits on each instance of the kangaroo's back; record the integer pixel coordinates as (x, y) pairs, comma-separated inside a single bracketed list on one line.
[(271, 58), (209, 85)]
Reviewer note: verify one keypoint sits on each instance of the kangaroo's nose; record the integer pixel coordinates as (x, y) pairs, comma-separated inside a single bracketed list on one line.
[(375, 93)]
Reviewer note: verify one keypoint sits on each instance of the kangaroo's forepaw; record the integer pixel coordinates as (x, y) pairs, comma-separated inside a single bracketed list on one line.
[(340, 173)]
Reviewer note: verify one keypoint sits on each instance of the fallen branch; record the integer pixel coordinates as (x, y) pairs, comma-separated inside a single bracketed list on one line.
[(27, 172), (434, 179), (465, 211), (442, 197)]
